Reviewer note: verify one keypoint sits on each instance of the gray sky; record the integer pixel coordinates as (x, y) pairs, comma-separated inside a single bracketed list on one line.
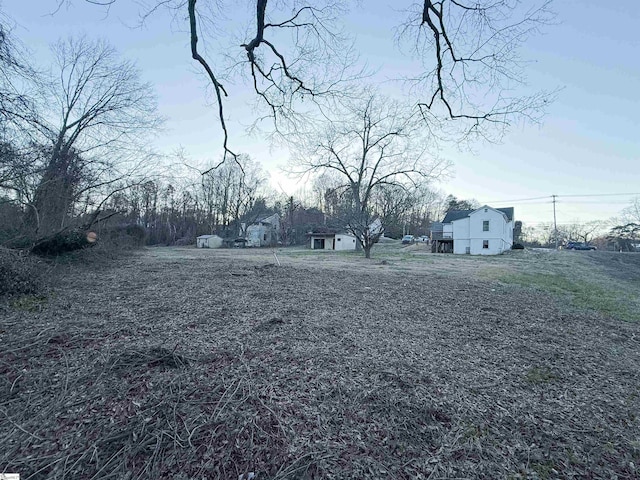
[(589, 143)]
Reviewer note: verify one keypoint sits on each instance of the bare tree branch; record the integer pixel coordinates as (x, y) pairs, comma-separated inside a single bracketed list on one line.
[(376, 144), (219, 89)]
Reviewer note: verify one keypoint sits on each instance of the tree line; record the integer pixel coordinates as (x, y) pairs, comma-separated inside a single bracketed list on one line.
[(75, 134)]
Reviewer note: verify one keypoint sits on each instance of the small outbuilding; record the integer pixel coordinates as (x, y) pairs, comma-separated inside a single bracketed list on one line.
[(332, 241), (209, 241)]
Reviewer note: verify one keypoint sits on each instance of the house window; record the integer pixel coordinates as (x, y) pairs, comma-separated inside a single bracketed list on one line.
[(485, 226), (485, 244)]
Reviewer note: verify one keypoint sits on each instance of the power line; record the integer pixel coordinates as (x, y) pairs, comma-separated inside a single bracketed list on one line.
[(520, 199), (551, 197), (595, 202), (602, 195)]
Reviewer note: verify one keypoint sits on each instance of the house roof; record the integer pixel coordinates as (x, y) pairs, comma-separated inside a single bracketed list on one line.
[(454, 215), (266, 218), (321, 234), (508, 211)]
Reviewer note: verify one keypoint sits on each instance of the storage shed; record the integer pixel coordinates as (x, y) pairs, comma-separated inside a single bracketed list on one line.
[(344, 241), (332, 241), (209, 241)]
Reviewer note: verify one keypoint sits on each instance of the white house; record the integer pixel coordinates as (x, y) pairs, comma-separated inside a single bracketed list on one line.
[(332, 241), (209, 241), (484, 231), (376, 228), (264, 231)]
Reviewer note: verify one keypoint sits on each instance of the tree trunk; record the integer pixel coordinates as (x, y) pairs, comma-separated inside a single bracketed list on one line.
[(54, 194), (367, 251)]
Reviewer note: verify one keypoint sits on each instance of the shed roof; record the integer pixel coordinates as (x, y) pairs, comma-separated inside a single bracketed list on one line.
[(321, 234), (207, 236)]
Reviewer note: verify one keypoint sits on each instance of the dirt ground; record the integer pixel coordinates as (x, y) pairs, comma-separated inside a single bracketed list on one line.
[(236, 364)]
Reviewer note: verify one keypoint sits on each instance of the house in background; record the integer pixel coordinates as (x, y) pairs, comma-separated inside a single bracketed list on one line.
[(376, 229), (209, 241), (332, 241), (484, 231), (264, 231)]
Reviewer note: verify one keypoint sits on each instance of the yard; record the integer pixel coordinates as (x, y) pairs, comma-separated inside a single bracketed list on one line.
[(186, 363)]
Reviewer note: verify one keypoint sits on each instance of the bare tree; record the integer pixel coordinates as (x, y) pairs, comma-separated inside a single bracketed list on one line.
[(230, 190), (471, 63), (584, 231), (93, 131), (18, 114), (283, 73), (297, 53), (17, 81), (631, 214), (377, 144)]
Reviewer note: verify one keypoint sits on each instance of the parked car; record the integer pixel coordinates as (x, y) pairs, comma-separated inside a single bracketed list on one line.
[(423, 239), (408, 239), (579, 246), (240, 243)]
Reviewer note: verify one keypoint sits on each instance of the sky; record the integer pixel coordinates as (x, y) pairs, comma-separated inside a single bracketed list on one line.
[(586, 150)]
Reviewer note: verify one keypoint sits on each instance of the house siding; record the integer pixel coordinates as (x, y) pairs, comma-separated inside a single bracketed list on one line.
[(496, 235), (263, 233), (461, 235), (469, 235)]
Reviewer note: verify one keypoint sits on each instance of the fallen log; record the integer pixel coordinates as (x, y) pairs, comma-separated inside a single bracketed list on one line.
[(63, 242)]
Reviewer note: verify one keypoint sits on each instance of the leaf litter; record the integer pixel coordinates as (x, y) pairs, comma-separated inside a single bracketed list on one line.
[(211, 368)]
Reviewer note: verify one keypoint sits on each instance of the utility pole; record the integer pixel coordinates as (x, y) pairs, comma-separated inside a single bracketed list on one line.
[(555, 224)]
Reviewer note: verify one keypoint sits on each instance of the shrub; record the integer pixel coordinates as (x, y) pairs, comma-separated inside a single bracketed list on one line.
[(20, 274)]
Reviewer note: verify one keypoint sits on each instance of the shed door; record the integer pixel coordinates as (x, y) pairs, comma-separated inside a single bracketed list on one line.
[(318, 243)]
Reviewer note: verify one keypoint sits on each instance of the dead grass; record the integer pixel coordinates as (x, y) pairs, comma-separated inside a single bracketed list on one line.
[(584, 281), (183, 364)]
